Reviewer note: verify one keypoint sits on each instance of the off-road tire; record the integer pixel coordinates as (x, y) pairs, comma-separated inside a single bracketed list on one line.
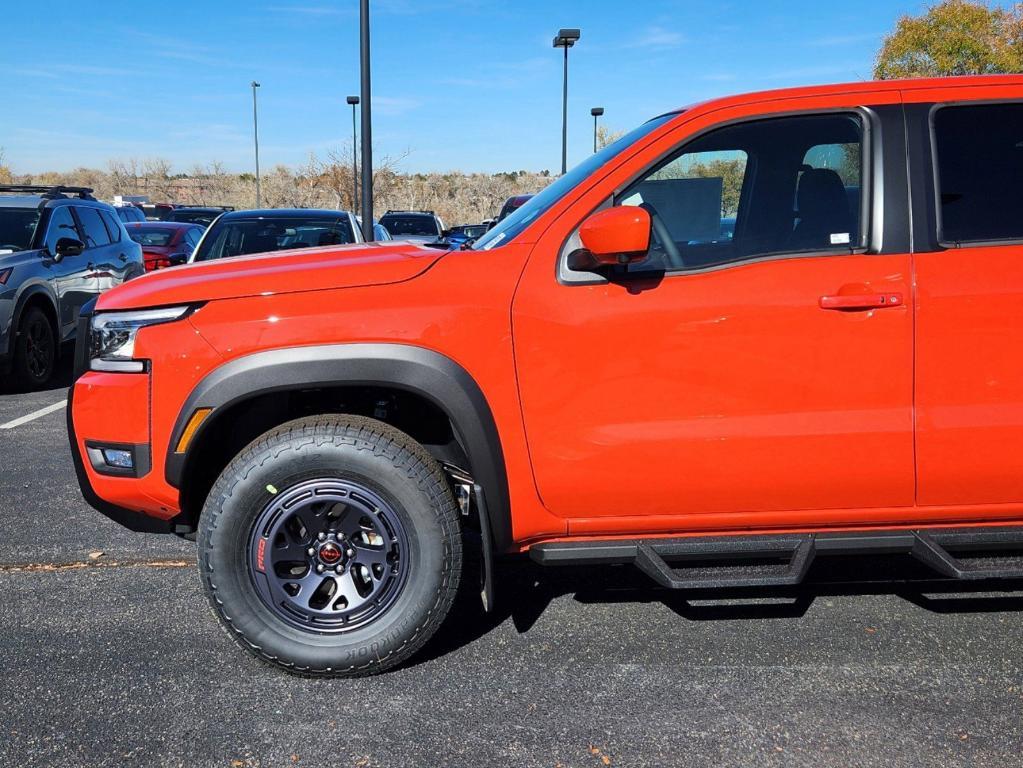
[(350, 448)]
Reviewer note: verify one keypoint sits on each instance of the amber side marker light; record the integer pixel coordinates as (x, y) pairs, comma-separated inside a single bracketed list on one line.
[(198, 417)]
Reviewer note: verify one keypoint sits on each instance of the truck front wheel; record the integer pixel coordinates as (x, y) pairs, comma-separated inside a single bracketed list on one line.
[(330, 546)]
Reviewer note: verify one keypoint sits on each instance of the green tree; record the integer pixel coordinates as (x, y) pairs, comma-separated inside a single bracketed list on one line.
[(955, 37)]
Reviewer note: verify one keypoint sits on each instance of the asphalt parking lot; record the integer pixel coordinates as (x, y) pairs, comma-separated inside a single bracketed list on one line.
[(114, 658)]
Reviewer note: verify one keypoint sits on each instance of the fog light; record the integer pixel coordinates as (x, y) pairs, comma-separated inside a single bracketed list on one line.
[(117, 457), (118, 460)]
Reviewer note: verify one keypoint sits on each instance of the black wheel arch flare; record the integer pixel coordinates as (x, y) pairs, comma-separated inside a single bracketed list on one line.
[(417, 370)]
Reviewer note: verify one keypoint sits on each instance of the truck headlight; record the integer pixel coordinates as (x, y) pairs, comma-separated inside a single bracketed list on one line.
[(112, 336)]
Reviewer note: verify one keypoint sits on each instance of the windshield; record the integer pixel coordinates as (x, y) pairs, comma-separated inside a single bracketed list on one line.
[(511, 227), (239, 237), (410, 225), (17, 228), (151, 237)]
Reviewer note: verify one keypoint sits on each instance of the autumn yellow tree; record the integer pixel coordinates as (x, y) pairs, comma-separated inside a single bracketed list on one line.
[(955, 37), (6, 177)]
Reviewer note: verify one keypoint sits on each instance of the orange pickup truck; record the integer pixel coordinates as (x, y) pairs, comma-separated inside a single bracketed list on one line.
[(760, 329)]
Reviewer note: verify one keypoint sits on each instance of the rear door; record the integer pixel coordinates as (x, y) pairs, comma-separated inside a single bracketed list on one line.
[(121, 247), (968, 173), (104, 270), (763, 377)]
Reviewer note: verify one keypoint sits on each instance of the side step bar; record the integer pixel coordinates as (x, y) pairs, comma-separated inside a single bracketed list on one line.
[(752, 560)]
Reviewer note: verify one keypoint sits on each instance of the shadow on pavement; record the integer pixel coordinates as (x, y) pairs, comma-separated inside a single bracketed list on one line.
[(524, 591), (61, 376)]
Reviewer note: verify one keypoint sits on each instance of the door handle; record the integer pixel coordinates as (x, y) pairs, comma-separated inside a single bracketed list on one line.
[(862, 301)]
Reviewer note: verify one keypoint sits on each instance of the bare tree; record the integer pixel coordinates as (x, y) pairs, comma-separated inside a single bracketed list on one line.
[(322, 182), (6, 177)]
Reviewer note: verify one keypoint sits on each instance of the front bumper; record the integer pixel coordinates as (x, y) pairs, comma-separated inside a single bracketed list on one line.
[(118, 405)]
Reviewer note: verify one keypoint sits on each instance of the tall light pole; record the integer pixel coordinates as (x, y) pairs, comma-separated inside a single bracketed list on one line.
[(596, 112), (565, 38), (354, 101), (367, 125), (255, 137)]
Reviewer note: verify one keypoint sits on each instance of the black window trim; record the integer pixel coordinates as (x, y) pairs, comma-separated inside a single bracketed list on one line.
[(935, 181), (871, 201)]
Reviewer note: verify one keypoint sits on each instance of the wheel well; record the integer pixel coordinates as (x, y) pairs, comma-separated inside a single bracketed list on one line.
[(41, 300), (235, 426)]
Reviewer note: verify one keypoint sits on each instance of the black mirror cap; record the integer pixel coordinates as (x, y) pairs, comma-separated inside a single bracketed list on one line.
[(69, 246)]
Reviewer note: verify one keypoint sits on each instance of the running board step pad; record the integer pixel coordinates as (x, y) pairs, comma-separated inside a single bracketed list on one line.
[(767, 561)]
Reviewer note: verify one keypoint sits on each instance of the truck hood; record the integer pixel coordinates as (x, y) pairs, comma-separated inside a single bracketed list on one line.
[(345, 266)]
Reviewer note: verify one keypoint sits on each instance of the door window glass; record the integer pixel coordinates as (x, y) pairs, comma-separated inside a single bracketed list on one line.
[(776, 186), (113, 226), (92, 225), (979, 156), (61, 225)]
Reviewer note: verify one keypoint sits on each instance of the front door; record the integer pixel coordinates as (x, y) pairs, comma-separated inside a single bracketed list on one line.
[(758, 363), (70, 275)]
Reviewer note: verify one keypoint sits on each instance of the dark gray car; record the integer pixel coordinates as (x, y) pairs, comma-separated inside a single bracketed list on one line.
[(59, 249)]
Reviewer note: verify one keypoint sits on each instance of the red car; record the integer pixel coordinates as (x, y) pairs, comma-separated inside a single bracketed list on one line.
[(617, 373), (165, 243)]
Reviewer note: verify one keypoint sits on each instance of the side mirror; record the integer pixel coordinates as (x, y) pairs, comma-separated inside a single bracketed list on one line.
[(68, 246), (613, 236)]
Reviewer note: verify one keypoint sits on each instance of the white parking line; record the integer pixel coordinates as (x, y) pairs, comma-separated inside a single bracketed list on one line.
[(34, 415)]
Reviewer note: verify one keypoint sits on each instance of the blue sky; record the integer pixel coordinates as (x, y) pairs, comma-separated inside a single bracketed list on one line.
[(458, 84)]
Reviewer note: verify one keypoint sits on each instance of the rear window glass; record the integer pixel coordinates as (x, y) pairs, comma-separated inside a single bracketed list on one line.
[(113, 226), (152, 237), (193, 217), (239, 237), (979, 154), (410, 225)]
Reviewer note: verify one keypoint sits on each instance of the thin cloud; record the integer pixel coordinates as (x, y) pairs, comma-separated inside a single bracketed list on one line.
[(388, 105), (36, 73), (658, 38)]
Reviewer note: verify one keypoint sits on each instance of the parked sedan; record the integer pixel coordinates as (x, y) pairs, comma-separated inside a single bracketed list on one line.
[(165, 243), (239, 233)]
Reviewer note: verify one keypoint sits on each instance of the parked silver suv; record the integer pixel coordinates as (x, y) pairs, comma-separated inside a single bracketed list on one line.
[(59, 249)]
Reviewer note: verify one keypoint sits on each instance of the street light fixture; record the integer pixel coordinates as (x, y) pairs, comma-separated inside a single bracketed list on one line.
[(354, 101), (255, 137), (367, 125), (596, 112), (565, 38)]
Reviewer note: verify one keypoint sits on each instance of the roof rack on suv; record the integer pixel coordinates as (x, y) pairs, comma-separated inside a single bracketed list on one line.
[(429, 213), (51, 191)]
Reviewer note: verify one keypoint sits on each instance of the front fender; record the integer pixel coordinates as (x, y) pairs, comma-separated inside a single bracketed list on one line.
[(414, 369)]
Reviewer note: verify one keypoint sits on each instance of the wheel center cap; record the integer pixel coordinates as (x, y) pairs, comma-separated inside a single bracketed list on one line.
[(329, 554)]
